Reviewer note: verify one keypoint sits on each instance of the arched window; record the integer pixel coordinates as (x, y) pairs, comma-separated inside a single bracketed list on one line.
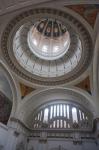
[(62, 115)]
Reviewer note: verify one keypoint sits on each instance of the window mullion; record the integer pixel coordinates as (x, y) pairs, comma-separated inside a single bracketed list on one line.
[(70, 115)]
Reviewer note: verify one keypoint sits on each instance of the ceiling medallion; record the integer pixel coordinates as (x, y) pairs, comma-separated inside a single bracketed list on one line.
[(47, 46)]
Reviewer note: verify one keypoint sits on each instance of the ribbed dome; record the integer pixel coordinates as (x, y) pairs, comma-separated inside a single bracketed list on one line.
[(26, 50), (48, 39), (47, 47), (51, 27)]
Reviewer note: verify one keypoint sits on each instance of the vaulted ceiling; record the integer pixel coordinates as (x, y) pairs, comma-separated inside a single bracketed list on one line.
[(85, 8)]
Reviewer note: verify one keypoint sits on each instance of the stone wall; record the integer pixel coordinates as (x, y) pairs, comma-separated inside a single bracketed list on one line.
[(62, 144), (12, 139)]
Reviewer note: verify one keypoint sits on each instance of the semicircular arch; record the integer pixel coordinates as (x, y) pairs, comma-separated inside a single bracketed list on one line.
[(39, 97)]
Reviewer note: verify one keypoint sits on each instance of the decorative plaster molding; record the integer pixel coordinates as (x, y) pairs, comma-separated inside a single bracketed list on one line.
[(80, 29)]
